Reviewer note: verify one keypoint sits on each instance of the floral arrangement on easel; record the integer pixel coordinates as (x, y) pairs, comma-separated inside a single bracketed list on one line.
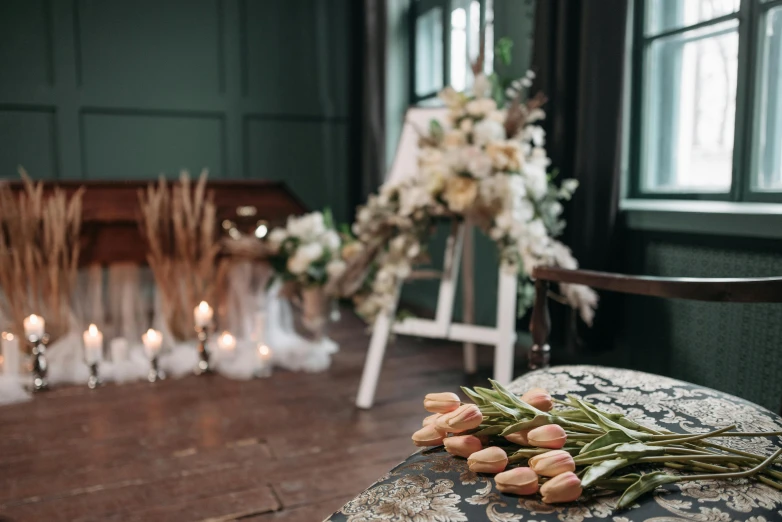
[(486, 164), (533, 448)]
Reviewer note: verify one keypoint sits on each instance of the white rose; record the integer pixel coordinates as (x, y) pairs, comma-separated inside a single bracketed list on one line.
[(479, 165), (311, 251), (480, 107), (536, 182), (331, 240), (570, 185), (335, 268), (297, 264), (454, 138), (276, 237), (486, 131)]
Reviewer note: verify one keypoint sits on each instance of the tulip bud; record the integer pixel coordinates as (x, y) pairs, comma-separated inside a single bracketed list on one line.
[(518, 481), (552, 463), (462, 445), (488, 460), (549, 436), (562, 488), (463, 418), (428, 436), (538, 398), (520, 438), (441, 402), (431, 419)]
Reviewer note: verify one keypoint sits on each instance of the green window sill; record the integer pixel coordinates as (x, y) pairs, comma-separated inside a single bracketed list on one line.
[(759, 220)]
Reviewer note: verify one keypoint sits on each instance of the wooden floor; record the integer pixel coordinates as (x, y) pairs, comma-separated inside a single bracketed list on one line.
[(288, 448)]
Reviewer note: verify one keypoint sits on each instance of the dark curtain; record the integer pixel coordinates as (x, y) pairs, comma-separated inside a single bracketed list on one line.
[(579, 58), (372, 112)]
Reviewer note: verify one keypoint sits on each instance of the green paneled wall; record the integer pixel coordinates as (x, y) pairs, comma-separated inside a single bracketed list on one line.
[(128, 89), (735, 348)]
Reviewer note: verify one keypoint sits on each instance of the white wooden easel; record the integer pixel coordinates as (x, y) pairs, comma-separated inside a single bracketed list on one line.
[(458, 248)]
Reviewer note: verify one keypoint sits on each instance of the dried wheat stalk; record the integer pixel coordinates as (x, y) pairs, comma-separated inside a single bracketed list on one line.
[(39, 255), (179, 225)]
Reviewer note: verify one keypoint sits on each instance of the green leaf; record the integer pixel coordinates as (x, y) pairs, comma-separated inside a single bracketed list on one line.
[(477, 399), (602, 470), (436, 130), (612, 438), (488, 430), (507, 412), (638, 449), (503, 50), (538, 420), (512, 398), (489, 395), (606, 423), (646, 483)]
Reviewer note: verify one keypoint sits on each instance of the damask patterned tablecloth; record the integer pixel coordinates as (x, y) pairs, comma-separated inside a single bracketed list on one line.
[(433, 486)]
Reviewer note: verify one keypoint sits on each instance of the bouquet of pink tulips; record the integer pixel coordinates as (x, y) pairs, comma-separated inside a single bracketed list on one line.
[(578, 446)]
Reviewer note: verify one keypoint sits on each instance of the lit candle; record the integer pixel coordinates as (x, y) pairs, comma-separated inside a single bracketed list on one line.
[(227, 343), (34, 326), (152, 341), (202, 314), (93, 344), (10, 353), (264, 359), (119, 349)]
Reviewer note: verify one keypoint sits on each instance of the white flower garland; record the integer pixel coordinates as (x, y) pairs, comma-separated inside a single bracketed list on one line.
[(487, 164)]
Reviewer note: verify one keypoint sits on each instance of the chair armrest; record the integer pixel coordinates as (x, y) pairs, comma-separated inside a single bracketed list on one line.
[(755, 290)]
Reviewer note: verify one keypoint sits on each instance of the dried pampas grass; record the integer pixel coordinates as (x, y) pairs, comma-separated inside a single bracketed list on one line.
[(179, 225), (39, 255)]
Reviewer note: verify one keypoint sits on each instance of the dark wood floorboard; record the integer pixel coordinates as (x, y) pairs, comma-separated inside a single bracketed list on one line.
[(291, 448)]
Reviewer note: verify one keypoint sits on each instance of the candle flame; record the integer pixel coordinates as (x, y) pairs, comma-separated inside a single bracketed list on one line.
[(203, 306), (226, 337), (92, 330), (34, 319), (8, 336), (152, 334), (264, 350)]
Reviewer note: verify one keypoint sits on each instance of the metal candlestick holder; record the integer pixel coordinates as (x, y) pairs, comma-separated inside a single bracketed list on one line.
[(204, 363), (39, 365), (155, 373), (94, 380)]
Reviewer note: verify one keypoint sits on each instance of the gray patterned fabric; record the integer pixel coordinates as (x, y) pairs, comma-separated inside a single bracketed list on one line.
[(433, 486)]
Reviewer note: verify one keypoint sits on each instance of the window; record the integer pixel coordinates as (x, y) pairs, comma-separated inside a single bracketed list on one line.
[(707, 100), (442, 56)]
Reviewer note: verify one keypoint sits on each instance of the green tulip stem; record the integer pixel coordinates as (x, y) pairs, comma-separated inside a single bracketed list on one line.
[(735, 474), (768, 481), (659, 440)]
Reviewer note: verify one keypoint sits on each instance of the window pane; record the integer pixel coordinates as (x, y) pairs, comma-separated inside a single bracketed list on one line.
[(690, 110), (429, 52), (664, 15), (459, 49), (769, 160)]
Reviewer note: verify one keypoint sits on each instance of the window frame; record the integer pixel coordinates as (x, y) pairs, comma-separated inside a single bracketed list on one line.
[(417, 8), (750, 17)]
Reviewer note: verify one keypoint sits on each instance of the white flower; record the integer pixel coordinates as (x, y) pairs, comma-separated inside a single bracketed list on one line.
[(499, 115), (479, 165), (481, 86), (330, 240), (534, 134), (335, 268), (310, 251), (570, 185), (454, 138), (276, 237), (480, 107), (536, 115), (306, 227), (465, 125), (297, 264), (487, 131), (535, 177), (413, 198)]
